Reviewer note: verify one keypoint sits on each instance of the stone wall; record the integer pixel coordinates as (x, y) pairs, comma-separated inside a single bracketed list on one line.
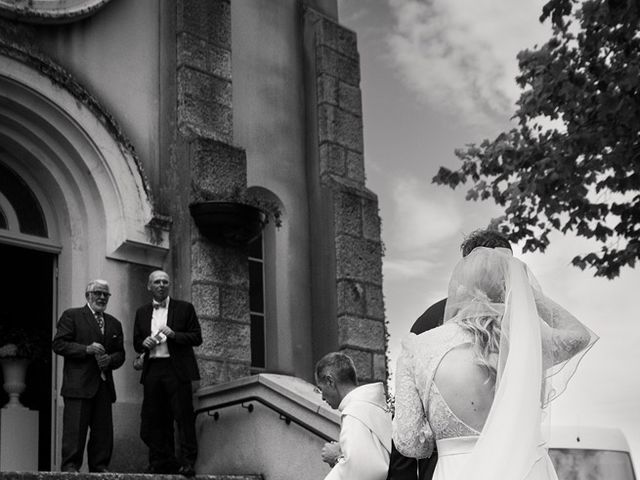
[(206, 165), (352, 213)]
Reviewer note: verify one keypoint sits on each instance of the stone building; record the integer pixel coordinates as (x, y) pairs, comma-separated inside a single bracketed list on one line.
[(122, 123)]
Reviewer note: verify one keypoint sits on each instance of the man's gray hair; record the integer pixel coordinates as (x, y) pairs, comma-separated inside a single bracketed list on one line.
[(95, 283), (339, 366)]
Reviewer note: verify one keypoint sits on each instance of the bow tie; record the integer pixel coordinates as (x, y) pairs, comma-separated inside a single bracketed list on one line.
[(162, 304)]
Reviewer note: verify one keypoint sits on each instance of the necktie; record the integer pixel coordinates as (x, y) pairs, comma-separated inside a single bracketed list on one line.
[(162, 304), (100, 321)]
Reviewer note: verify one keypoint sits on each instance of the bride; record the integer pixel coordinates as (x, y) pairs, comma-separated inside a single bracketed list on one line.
[(477, 387)]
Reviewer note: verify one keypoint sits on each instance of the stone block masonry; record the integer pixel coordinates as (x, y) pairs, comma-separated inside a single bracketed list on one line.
[(346, 209), (218, 275), (204, 69), (361, 331)]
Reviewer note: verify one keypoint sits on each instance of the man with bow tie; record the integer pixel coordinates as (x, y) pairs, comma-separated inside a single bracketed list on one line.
[(166, 330), (91, 342)]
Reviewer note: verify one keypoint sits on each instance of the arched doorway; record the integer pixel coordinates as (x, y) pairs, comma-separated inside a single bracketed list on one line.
[(26, 295), (27, 299), (85, 184)]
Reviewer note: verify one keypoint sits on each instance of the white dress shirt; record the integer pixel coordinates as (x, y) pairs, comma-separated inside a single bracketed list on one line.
[(159, 320)]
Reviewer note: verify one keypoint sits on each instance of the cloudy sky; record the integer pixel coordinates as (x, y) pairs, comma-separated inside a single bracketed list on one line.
[(436, 75)]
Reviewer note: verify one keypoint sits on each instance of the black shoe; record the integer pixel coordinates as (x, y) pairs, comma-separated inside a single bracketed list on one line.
[(187, 471), (69, 469)]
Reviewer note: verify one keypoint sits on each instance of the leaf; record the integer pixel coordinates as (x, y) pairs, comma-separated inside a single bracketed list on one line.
[(582, 176)]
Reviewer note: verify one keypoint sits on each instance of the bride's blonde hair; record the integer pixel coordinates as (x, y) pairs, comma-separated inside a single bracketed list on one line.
[(476, 300), (486, 340)]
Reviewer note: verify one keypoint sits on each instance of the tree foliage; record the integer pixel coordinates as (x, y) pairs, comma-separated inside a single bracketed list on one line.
[(572, 163)]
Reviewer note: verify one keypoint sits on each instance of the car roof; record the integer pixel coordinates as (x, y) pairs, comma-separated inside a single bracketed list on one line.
[(588, 438)]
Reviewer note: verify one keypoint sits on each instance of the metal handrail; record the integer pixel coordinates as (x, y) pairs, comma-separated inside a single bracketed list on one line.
[(275, 408)]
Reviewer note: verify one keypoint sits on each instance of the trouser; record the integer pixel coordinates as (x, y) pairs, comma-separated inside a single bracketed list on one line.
[(167, 398), (426, 466), (406, 468), (87, 414)]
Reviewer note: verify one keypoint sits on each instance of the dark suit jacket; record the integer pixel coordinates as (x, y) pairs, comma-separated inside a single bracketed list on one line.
[(76, 329), (182, 319), (401, 467), (431, 318)]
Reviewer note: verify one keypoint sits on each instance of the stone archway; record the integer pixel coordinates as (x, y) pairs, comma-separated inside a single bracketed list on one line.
[(81, 165), (85, 175)]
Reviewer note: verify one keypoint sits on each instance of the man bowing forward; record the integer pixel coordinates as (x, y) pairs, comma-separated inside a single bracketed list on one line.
[(365, 432), (166, 330)]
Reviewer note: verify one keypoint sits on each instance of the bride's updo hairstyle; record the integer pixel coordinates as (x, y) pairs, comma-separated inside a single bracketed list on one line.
[(477, 293)]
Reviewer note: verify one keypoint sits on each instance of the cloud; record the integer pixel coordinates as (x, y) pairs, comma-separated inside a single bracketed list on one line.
[(460, 55), (351, 12), (421, 219), (406, 269)]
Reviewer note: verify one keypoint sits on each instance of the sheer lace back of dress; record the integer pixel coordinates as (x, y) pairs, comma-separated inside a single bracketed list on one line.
[(464, 388), (418, 423)]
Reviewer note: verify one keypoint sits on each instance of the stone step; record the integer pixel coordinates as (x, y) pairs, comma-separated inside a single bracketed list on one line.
[(115, 476)]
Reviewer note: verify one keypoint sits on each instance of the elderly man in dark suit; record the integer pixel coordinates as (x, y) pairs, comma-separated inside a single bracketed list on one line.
[(91, 342), (401, 467), (165, 331)]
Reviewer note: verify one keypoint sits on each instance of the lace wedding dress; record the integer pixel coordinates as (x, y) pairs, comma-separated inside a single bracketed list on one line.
[(540, 347)]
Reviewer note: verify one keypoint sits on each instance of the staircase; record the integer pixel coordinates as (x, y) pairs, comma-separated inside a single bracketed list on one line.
[(115, 476)]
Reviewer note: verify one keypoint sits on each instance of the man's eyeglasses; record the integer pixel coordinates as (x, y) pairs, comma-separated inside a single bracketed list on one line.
[(99, 293)]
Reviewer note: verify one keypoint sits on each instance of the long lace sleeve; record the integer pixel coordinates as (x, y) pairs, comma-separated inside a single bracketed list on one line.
[(563, 335), (565, 340), (412, 434)]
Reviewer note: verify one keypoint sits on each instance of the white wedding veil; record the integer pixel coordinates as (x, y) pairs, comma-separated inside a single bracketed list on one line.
[(537, 349)]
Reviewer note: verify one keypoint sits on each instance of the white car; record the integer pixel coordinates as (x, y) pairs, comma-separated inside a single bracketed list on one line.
[(590, 453)]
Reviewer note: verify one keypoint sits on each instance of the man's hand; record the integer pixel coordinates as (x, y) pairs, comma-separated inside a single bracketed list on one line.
[(150, 343), (103, 361), (331, 453), (95, 349), (167, 331)]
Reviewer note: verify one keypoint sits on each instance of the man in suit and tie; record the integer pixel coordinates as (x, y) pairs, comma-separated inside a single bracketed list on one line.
[(166, 330), (91, 342), (401, 467)]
